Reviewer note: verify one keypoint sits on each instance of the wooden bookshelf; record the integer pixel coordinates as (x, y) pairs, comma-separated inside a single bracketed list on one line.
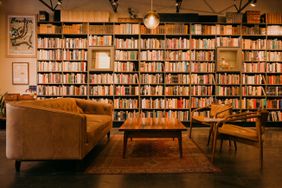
[(165, 72)]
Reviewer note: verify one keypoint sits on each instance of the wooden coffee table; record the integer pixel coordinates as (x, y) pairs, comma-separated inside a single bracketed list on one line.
[(152, 128)]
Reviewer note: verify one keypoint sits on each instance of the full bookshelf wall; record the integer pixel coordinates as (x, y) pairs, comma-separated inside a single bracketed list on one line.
[(167, 71)]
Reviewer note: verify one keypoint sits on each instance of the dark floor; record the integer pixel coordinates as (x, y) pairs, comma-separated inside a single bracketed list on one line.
[(239, 169)]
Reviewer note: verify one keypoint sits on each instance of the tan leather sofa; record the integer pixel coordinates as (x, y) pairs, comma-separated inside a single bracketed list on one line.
[(55, 129)]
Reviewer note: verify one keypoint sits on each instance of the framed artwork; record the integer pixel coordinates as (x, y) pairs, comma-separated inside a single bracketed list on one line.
[(20, 73), (100, 58), (21, 36), (228, 59)]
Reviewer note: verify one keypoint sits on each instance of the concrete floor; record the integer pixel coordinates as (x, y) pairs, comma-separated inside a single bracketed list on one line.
[(239, 169)]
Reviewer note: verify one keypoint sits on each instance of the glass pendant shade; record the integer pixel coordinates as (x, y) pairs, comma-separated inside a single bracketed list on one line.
[(151, 20)]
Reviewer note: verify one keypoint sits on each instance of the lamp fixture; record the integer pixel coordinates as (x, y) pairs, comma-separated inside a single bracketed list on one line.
[(152, 18), (50, 6), (114, 4), (242, 7), (178, 5), (253, 3)]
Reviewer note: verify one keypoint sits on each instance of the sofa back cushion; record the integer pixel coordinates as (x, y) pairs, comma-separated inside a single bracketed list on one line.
[(66, 104)]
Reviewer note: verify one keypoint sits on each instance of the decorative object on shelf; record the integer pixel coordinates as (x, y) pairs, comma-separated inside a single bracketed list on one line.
[(151, 19), (43, 16), (21, 36), (100, 58), (228, 59), (20, 73)]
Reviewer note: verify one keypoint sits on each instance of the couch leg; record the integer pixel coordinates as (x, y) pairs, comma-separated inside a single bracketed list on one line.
[(18, 165), (109, 135)]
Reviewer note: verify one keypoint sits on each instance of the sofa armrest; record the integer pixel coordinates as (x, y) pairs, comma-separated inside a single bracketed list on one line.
[(35, 132), (93, 107)]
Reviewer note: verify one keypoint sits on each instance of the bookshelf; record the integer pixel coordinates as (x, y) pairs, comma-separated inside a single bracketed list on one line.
[(167, 71)]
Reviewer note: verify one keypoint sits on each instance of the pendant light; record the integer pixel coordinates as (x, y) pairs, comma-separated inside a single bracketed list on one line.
[(151, 19)]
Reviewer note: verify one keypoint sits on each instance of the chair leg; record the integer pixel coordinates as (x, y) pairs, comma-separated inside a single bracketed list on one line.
[(108, 135), (221, 143), (18, 165), (190, 132), (214, 146), (235, 145), (261, 155)]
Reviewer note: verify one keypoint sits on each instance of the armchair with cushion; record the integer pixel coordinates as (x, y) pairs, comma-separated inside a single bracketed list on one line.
[(214, 110), (228, 128)]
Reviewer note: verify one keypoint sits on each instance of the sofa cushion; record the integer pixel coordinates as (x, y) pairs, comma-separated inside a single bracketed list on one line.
[(94, 131), (98, 118), (66, 104)]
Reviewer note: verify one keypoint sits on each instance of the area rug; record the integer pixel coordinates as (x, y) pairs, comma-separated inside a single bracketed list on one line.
[(147, 156)]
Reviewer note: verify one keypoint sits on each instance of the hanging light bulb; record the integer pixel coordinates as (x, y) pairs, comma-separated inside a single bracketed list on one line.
[(253, 3), (151, 19)]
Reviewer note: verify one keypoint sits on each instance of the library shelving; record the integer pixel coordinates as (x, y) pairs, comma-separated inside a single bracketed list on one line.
[(167, 71)]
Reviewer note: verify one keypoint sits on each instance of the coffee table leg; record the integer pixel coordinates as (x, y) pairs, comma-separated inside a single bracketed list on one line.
[(125, 137), (180, 144)]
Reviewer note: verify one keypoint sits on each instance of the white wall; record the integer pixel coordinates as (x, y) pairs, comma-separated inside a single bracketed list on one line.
[(141, 6)]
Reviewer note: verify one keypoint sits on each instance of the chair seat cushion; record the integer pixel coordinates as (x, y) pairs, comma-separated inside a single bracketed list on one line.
[(238, 131)]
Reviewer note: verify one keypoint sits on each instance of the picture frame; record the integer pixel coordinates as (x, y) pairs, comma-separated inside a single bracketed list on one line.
[(20, 73), (100, 58), (21, 33), (228, 59)]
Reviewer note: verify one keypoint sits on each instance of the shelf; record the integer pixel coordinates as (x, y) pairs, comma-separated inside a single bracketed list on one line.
[(157, 62)]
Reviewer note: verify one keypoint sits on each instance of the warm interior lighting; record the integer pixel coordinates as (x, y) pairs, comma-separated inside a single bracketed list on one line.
[(253, 3), (151, 19)]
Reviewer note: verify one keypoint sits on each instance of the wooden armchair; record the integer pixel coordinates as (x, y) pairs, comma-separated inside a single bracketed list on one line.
[(214, 110), (248, 135)]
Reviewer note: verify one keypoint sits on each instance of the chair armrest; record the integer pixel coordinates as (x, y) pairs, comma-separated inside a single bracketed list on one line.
[(93, 107), (221, 111), (237, 118), (201, 109)]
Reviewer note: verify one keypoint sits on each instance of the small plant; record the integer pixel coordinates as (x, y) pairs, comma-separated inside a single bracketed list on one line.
[(2, 105)]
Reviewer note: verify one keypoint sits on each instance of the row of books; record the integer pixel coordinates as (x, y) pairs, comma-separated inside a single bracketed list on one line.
[(151, 66), (274, 79), (254, 67), (130, 90), (101, 90), (198, 90), (202, 67), (176, 66), (129, 28), (113, 78), (227, 90), (100, 40), (56, 78), (151, 90), (253, 91), (274, 91), (126, 66), (228, 78), (177, 91), (227, 42), (62, 55), (126, 103), (65, 66), (126, 55), (155, 43), (126, 43), (253, 79), (202, 79), (62, 90), (200, 29)]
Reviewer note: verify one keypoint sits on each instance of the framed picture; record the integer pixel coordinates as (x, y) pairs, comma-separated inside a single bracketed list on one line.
[(21, 36), (100, 58), (228, 59), (20, 73)]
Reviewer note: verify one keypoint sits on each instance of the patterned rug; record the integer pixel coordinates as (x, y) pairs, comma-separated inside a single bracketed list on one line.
[(145, 156)]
